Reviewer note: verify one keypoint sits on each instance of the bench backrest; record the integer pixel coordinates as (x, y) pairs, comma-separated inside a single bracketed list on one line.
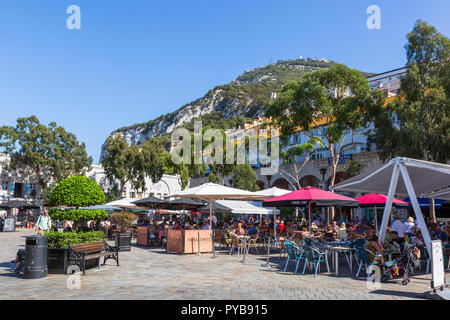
[(89, 247)]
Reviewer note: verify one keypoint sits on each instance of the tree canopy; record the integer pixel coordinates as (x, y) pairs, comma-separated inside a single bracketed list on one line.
[(422, 103), (328, 105), (132, 163), (245, 178), (43, 152)]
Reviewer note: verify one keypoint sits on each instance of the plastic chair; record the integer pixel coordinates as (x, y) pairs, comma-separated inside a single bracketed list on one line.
[(362, 254), (295, 254), (315, 257)]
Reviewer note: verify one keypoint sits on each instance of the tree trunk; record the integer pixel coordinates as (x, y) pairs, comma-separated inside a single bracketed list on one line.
[(334, 162)]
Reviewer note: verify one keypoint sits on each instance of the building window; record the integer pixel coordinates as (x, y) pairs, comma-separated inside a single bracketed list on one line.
[(5, 185)]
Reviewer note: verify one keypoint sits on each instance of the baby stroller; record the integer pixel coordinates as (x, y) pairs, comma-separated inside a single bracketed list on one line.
[(402, 266)]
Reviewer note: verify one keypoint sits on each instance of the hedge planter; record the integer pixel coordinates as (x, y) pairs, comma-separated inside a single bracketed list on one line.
[(123, 241), (57, 260)]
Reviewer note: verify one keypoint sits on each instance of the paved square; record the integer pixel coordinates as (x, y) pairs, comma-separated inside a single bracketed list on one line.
[(151, 273)]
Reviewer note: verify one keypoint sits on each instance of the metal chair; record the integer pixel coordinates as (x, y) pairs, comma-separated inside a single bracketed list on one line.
[(252, 243), (315, 257), (295, 254), (236, 243), (362, 256)]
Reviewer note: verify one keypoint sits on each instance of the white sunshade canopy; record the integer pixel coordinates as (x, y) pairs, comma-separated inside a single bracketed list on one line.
[(240, 207), (426, 177), (270, 193), (419, 178), (124, 203), (212, 191)]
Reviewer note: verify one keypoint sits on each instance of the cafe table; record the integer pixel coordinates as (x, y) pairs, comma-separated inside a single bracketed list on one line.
[(245, 238), (336, 250)]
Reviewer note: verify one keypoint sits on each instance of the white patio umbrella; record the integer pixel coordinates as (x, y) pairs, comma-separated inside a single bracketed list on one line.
[(124, 203), (211, 192), (269, 194)]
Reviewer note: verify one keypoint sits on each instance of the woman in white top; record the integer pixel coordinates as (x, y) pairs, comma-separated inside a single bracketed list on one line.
[(409, 226), (342, 232)]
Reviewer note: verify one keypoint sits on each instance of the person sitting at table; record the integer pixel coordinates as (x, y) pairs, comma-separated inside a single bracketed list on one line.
[(334, 226), (252, 230), (329, 233), (239, 229), (373, 247), (388, 235), (314, 227), (282, 228), (228, 236), (351, 228), (187, 226), (206, 226), (342, 232)]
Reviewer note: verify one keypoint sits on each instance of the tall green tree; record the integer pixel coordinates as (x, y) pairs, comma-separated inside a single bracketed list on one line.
[(43, 152), (132, 163), (422, 104), (328, 105), (244, 177)]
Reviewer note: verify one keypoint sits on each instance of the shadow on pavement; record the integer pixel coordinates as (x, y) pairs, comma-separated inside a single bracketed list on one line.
[(404, 294)]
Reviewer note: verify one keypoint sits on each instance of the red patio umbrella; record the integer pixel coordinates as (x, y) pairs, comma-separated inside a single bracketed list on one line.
[(377, 200), (308, 196)]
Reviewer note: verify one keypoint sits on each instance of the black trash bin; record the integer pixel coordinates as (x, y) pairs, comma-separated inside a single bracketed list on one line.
[(35, 262), (123, 241)]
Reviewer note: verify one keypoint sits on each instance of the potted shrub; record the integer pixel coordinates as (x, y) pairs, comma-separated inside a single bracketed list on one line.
[(69, 195), (123, 220)]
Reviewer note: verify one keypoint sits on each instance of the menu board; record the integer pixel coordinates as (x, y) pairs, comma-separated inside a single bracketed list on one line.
[(10, 224), (437, 265)]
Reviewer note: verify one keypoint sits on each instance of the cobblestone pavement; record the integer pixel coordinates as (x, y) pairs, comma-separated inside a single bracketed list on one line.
[(151, 273)]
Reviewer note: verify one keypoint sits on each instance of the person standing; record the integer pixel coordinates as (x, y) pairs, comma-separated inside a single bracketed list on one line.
[(399, 227), (44, 223)]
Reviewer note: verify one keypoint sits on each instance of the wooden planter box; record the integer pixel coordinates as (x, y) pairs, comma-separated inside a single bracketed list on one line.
[(57, 260), (187, 241), (142, 236)]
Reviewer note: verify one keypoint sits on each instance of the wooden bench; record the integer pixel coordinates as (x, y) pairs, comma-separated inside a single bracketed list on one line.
[(79, 253)]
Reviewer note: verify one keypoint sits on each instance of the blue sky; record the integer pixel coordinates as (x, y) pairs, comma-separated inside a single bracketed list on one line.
[(135, 60)]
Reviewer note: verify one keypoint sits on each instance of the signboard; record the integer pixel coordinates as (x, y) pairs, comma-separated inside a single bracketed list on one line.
[(174, 241), (192, 238), (10, 224), (437, 265), (187, 241)]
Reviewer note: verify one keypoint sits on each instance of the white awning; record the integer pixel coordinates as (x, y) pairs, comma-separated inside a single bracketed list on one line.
[(238, 207), (427, 178)]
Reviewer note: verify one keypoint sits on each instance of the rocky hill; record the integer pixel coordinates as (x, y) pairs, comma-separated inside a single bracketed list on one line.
[(230, 104)]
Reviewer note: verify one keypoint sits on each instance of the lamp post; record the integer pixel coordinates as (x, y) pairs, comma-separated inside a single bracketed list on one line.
[(269, 177)]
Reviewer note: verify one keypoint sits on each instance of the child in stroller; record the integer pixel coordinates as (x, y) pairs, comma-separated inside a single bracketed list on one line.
[(403, 265)]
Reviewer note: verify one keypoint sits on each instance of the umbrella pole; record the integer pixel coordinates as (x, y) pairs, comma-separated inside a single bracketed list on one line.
[(376, 220), (213, 236), (309, 216), (274, 220)]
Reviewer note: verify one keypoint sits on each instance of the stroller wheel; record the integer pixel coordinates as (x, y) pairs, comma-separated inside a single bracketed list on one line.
[(404, 282)]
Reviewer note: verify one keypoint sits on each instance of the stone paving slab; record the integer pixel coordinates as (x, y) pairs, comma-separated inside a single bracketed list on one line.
[(151, 273)]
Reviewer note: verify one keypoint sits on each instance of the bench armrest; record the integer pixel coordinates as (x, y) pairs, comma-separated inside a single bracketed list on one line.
[(110, 248)]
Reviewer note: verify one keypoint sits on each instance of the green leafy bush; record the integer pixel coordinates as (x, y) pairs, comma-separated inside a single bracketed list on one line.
[(78, 214), (123, 219), (62, 239), (77, 191)]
